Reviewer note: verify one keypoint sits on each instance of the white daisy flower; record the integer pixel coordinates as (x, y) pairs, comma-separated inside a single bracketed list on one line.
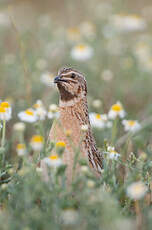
[(28, 115), (131, 125), (90, 183), (84, 128), (69, 217), (40, 110), (87, 28), (73, 34), (53, 161), (47, 79), (112, 154), (116, 111), (7, 106), (142, 52), (82, 52), (19, 126), (97, 103), (99, 120), (84, 169), (136, 190), (53, 111), (41, 113), (21, 149), (5, 111), (126, 23), (37, 142), (107, 75), (4, 20)]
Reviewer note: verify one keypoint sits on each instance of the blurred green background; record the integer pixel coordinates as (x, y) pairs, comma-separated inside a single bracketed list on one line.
[(37, 37)]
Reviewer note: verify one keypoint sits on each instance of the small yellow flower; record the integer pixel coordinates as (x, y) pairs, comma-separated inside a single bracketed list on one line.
[(37, 142), (4, 186), (112, 153), (99, 120), (90, 184), (47, 79), (53, 161), (60, 144), (5, 111), (97, 103), (116, 107), (19, 126), (128, 23), (53, 157), (2, 110), (53, 108), (81, 47), (68, 132), (137, 190), (28, 115), (5, 104), (84, 128), (73, 33), (53, 111), (116, 111), (131, 125), (21, 149), (36, 106), (98, 116), (82, 52), (29, 112), (37, 138), (107, 75), (131, 122), (20, 146), (69, 217)]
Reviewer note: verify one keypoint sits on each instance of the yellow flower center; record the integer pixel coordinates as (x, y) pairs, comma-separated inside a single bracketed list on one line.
[(5, 104), (68, 132), (29, 112), (81, 47), (73, 30), (131, 123), (138, 188), (60, 144), (134, 16), (116, 108), (98, 116), (20, 146), (113, 152), (53, 157), (36, 106), (37, 138), (2, 110)]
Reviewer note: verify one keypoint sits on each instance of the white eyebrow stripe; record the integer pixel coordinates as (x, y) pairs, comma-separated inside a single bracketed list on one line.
[(66, 74)]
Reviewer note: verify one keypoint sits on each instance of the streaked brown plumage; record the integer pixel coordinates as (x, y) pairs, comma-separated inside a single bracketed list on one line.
[(73, 110)]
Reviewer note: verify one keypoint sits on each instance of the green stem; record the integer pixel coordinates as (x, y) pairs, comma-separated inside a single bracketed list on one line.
[(21, 137), (114, 131), (0, 128), (3, 133)]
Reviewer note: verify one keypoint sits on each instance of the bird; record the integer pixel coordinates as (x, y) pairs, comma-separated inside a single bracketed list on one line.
[(73, 110)]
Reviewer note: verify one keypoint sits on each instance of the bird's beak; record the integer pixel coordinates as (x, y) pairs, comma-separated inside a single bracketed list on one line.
[(57, 79)]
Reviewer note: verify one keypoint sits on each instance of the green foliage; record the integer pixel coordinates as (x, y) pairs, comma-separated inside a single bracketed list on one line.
[(119, 69)]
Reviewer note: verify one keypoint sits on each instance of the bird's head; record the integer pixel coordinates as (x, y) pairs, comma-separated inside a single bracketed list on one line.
[(71, 84)]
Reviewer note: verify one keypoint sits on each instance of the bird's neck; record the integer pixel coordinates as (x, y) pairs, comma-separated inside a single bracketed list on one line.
[(74, 117), (77, 108)]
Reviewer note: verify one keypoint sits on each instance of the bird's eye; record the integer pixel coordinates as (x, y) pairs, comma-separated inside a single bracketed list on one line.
[(73, 75)]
